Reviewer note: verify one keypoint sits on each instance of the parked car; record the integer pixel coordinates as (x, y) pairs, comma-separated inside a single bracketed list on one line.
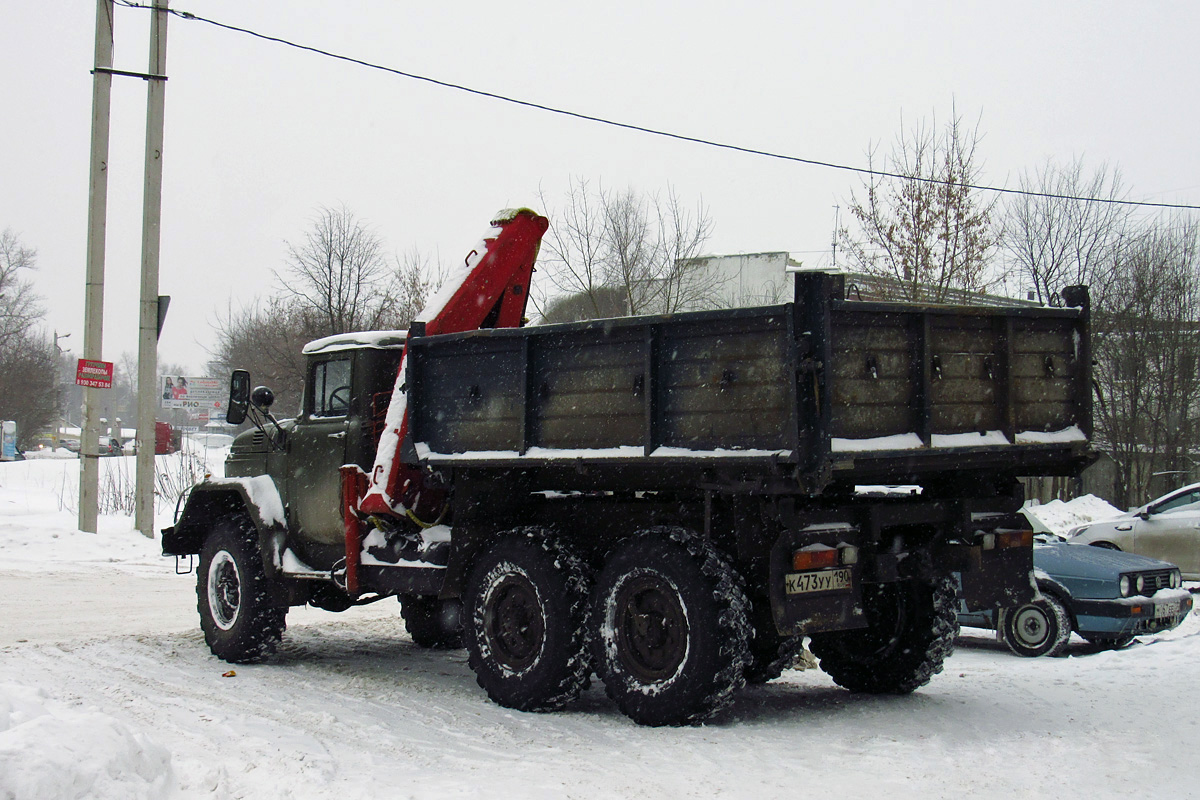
[(1105, 596), (1167, 528)]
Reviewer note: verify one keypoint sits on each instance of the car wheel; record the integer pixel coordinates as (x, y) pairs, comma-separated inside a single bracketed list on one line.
[(241, 620), (1110, 642), (1040, 628)]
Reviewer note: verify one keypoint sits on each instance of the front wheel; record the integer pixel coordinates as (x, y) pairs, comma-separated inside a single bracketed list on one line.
[(670, 628), (241, 621), (910, 633), (1040, 628)]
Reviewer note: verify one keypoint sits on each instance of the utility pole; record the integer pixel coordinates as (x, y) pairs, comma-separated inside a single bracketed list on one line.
[(93, 309), (148, 325)]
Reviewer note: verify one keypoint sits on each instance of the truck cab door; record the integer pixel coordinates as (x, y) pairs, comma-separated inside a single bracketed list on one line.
[(317, 448)]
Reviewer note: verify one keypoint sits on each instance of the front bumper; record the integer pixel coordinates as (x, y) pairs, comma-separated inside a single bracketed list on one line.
[(1132, 616)]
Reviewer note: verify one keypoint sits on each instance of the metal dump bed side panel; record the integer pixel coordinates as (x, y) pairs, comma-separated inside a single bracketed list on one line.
[(668, 388), (918, 389)]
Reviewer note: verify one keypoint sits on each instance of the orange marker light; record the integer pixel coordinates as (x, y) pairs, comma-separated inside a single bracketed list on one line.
[(814, 559)]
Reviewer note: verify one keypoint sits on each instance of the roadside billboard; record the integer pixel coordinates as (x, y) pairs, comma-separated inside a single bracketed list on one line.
[(203, 398)]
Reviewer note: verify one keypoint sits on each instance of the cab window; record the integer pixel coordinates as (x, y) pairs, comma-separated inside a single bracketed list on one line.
[(331, 388)]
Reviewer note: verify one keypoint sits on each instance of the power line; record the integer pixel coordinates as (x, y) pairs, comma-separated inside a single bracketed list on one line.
[(656, 132)]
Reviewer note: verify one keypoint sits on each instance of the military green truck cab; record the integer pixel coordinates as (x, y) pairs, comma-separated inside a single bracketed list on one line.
[(277, 513)]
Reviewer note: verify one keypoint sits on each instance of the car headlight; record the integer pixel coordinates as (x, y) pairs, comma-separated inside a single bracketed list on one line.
[(1140, 584), (1124, 586), (1176, 580)]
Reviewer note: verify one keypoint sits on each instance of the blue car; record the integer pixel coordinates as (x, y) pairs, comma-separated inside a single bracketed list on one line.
[(1106, 596)]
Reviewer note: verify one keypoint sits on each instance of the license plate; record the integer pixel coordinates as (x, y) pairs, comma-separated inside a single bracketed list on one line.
[(829, 580), (1166, 609)]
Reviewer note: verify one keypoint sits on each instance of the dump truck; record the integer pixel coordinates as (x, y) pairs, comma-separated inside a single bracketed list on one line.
[(678, 504)]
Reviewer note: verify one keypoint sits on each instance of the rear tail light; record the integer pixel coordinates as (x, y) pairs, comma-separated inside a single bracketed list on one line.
[(1005, 539), (825, 557)]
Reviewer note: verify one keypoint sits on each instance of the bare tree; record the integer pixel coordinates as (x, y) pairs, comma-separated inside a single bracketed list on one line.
[(339, 271), (681, 235), (29, 390), (1055, 241), (415, 276), (267, 339), (1147, 348), (573, 249), (927, 232), (20, 307), (604, 245)]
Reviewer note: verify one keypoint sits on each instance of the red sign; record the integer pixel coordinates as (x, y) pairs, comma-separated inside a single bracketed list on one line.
[(94, 374)]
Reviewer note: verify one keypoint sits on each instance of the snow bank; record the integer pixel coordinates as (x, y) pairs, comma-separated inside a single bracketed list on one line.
[(51, 751), (1059, 517)]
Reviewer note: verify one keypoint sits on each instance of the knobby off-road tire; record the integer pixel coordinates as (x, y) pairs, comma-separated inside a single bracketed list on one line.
[(1040, 628), (670, 628), (911, 630), (432, 623), (241, 620), (526, 607), (770, 653)]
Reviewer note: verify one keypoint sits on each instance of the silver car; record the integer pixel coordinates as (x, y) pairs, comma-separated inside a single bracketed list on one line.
[(1167, 529)]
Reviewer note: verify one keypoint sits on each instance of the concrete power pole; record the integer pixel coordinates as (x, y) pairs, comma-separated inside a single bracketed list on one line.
[(93, 310), (147, 401)]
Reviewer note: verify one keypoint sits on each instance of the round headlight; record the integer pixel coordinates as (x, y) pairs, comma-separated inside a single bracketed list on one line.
[(1124, 586), (1140, 583), (1175, 580)]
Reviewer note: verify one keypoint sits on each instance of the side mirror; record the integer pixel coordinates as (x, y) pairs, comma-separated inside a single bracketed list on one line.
[(239, 397), (1144, 514)]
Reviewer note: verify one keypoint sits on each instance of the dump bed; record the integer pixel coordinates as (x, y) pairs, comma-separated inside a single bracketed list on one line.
[(821, 390)]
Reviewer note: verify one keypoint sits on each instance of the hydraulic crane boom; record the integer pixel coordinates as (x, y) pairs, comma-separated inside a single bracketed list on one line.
[(489, 290)]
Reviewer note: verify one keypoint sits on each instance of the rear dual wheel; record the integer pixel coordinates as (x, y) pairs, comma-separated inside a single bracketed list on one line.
[(526, 606), (669, 628), (910, 632)]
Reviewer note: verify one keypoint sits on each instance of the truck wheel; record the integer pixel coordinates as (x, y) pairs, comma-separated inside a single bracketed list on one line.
[(525, 631), (909, 634), (770, 653), (432, 623), (670, 628), (1040, 628), (240, 620)]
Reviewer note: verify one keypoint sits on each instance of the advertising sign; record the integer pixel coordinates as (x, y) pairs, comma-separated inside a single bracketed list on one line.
[(94, 374), (8, 451), (202, 397)]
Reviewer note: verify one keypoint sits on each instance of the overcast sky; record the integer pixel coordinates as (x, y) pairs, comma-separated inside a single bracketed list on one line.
[(259, 135)]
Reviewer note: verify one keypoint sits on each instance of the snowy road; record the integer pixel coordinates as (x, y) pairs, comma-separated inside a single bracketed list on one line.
[(351, 708), (108, 692)]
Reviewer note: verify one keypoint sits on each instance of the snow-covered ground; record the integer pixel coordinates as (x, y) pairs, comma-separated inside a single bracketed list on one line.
[(108, 691)]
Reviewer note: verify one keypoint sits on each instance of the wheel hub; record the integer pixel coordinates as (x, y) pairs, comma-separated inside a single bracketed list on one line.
[(1031, 626), (514, 624), (224, 590), (651, 628)]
